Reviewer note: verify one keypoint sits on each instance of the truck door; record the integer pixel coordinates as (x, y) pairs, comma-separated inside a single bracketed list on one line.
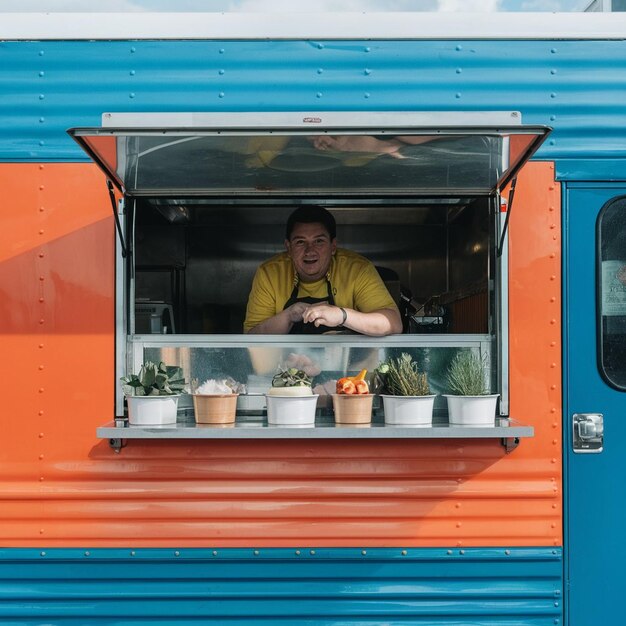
[(595, 384)]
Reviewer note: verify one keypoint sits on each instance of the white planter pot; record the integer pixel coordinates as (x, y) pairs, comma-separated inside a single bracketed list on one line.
[(291, 410), (472, 410), (408, 410), (152, 410)]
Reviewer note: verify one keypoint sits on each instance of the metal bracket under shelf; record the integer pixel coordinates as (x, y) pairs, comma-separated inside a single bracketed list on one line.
[(508, 432)]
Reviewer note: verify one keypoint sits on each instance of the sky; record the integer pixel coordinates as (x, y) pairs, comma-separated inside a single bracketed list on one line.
[(290, 6)]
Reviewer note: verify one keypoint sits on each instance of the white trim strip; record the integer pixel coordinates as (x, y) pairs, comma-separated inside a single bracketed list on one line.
[(260, 26)]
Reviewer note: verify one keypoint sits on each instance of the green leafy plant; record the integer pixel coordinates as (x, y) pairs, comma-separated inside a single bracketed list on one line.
[(155, 380), (467, 375), (401, 377), (291, 377)]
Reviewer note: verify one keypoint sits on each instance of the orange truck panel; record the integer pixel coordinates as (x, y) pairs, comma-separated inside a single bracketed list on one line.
[(60, 486)]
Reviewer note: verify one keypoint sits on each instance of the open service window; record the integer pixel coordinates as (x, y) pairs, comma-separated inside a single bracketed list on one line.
[(207, 196)]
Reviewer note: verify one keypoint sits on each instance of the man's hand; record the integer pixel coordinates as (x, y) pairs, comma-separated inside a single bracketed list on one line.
[(296, 311), (323, 315)]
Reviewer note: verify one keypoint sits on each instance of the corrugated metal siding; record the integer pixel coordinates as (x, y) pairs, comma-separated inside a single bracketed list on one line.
[(575, 86), (514, 587)]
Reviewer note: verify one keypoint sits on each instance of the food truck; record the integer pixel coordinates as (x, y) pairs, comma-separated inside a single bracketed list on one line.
[(148, 164)]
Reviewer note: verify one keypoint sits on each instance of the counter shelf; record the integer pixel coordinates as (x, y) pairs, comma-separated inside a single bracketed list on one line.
[(508, 431)]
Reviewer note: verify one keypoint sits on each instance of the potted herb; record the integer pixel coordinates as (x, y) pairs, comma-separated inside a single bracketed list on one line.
[(353, 401), (407, 400), (152, 395), (290, 400), (470, 403)]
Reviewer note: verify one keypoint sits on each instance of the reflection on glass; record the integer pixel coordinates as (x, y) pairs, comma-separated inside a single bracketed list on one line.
[(612, 280), (255, 367)]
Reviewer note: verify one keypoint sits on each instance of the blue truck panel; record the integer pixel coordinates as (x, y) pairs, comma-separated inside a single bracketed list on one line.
[(517, 586)]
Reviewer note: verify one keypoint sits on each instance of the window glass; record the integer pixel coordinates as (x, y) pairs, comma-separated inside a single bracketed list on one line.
[(612, 291)]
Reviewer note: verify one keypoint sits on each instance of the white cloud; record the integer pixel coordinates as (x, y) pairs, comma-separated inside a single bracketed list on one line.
[(470, 6)]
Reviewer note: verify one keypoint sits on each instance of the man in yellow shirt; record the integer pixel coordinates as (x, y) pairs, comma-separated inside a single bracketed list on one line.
[(315, 287)]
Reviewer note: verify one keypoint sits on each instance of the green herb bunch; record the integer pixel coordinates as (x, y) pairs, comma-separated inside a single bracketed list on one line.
[(155, 380), (291, 377), (401, 377), (466, 375)]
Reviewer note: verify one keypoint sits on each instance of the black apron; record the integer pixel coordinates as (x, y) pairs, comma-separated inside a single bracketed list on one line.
[(300, 328)]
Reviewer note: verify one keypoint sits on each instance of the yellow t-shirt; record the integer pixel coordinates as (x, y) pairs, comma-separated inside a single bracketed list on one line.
[(354, 280)]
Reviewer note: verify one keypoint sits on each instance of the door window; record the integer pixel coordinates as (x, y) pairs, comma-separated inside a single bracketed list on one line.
[(612, 292)]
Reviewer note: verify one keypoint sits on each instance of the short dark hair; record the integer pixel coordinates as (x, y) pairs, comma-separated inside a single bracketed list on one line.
[(311, 215)]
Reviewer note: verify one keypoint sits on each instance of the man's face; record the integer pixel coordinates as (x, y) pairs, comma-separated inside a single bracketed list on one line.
[(311, 250)]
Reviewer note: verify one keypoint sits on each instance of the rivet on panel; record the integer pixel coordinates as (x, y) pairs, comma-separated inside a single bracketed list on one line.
[(366, 95), (458, 70), (553, 461), (221, 72), (41, 367), (221, 50), (41, 390), (40, 435), (551, 188), (554, 237), (41, 96), (41, 457), (40, 346), (41, 167), (42, 143), (320, 46), (132, 72), (42, 209), (41, 255), (553, 410), (404, 552), (42, 554), (297, 552), (132, 553), (42, 120), (41, 74), (554, 506), (214, 552), (552, 226), (318, 94), (557, 592), (131, 95), (41, 53), (41, 300), (133, 49), (458, 48), (458, 505), (367, 49), (449, 552), (313, 552), (41, 321), (41, 231), (553, 277), (363, 552), (42, 278), (556, 604), (86, 553), (256, 553), (552, 525), (552, 142), (176, 553), (461, 551), (41, 479), (458, 524), (553, 387), (367, 71), (39, 412), (457, 95), (507, 552), (552, 321), (555, 425), (553, 71), (41, 531), (553, 50)]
